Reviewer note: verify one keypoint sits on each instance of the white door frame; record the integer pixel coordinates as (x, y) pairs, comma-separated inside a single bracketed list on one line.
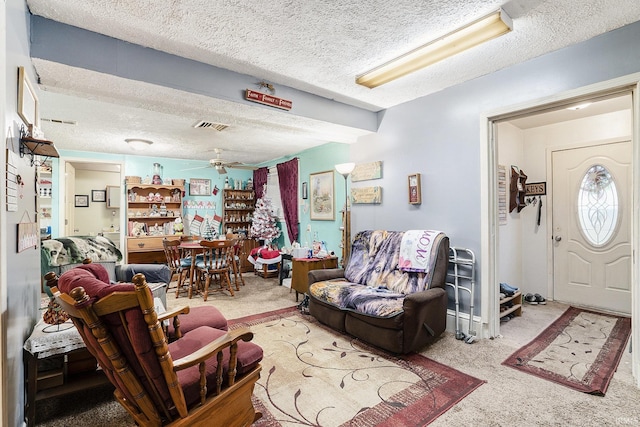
[(489, 213)]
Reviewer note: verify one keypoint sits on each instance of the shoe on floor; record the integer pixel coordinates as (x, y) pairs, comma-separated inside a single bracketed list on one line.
[(540, 299), (531, 299)]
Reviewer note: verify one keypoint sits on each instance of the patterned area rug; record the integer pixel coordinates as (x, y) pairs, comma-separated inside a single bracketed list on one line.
[(581, 350), (314, 376)]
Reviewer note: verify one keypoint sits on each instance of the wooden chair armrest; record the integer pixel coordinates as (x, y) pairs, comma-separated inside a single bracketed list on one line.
[(173, 312), (227, 340)]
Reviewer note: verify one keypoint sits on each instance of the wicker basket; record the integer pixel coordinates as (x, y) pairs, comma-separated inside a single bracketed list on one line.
[(178, 182), (133, 179)]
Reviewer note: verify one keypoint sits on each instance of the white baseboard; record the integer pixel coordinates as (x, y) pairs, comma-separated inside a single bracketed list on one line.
[(464, 324)]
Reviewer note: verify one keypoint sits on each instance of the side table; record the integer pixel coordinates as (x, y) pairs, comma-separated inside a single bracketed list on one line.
[(302, 266), (57, 363)]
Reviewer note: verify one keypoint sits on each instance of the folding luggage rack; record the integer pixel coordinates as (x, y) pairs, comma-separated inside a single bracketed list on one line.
[(461, 277)]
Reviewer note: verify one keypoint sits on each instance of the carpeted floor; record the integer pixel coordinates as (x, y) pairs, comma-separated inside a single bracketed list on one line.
[(508, 397)]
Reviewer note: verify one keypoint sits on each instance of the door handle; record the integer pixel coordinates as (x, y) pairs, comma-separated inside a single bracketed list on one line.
[(558, 238)]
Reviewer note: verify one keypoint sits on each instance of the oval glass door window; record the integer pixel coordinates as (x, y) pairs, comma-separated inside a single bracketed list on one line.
[(598, 205)]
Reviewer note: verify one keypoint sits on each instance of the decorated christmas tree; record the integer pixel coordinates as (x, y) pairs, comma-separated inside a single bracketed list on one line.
[(264, 225)]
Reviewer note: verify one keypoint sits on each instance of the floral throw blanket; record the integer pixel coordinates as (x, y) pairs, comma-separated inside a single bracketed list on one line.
[(73, 250)]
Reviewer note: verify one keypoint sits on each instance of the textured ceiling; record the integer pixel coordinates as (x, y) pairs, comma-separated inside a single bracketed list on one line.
[(313, 46)]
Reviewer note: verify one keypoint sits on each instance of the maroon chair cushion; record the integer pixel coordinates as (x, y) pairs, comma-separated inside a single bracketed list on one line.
[(139, 351), (205, 315), (98, 270), (249, 355)]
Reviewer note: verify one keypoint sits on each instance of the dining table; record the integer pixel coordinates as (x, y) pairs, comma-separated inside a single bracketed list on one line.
[(195, 249)]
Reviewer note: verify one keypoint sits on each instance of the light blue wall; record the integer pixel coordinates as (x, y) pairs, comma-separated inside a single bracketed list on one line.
[(439, 136)]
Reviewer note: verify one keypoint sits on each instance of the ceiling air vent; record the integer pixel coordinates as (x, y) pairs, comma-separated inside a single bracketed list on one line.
[(210, 125), (60, 122)]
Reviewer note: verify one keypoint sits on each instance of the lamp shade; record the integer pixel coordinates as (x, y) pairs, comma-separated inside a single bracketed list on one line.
[(345, 168)]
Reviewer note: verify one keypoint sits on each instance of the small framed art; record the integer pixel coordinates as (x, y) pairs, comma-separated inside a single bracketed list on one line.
[(415, 191), (199, 187), (82, 201), (98, 195), (305, 190)]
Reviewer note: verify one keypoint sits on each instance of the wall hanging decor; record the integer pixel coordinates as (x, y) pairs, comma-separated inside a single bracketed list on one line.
[(322, 196), (28, 233), (366, 171), (82, 201), (415, 190), (27, 100), (199, 187), (366, 195), (99, 195), (502, 195)]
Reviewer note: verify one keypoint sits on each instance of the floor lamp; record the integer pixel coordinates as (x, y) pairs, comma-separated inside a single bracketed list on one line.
[(345, 170)]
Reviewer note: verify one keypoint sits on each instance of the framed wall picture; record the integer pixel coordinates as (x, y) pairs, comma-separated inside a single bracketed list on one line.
[(322, 196), (305, 190), (415, 191), (82, 201), (99, 195), (27, 100), (199, 187)]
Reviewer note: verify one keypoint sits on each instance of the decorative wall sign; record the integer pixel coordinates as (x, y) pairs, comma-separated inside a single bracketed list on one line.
[(270, 100), (502, 195), (366, 195), (199, 187), (28, 234), (535, 189), (12, 181), (322, 195), (365, 171), (415, 190)]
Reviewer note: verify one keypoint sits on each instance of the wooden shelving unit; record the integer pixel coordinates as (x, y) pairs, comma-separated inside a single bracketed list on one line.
[(237, 214), (156, 207), (516, 308)]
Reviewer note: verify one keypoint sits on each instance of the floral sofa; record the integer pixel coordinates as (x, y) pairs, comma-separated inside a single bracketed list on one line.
[(379, 298)]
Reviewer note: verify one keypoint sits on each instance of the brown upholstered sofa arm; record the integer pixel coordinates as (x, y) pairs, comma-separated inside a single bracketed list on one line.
[(426, 309), (325, 274)]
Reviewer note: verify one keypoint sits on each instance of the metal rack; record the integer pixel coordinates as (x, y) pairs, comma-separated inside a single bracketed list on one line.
[(461, 277)]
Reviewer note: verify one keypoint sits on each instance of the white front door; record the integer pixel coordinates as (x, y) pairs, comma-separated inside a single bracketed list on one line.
[(591, 226)]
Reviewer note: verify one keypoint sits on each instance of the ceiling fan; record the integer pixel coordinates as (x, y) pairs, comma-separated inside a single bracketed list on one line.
[(220, 165)]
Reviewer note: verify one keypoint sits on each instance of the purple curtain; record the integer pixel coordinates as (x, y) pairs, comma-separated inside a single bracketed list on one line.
[(260, 181), (288, 180)]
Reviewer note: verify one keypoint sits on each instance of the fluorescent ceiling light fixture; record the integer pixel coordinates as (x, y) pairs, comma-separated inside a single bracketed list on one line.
[(138, 144), (473, 34)]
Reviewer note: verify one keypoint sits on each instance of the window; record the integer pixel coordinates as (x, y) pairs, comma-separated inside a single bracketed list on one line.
[(598, 205)]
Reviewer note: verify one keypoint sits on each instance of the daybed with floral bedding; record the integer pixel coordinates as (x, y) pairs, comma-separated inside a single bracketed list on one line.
[(391, 293)]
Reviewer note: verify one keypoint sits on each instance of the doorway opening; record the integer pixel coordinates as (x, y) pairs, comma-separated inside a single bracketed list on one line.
[(623, 90), (90, 198)]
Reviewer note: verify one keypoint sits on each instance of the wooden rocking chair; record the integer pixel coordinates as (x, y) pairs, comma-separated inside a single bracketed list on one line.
[(205, 378)]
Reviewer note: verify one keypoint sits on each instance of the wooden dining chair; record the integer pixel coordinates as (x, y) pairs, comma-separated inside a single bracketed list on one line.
[(217, 264), (176, 261), (206, 377)]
